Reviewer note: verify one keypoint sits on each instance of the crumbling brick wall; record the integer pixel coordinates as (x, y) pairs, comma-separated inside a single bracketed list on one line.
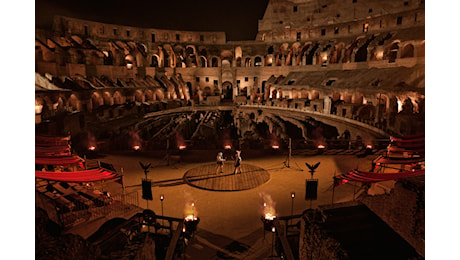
[(403, 209)]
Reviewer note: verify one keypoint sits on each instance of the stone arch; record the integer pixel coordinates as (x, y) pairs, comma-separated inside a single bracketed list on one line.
[(336, 54), (215, 62), (247, 62), (117, 98), (258, 61), (392, 51), (269, 60), (148, 95), (60, 103), (129, 59), (96, 100), (294, 94), (226, 63), (304, 94), (227, 90), (179, 53), (407, 51), (191, 55), (159, 94), (238, 62), (314, 94), (170, 56), (73, 102), (39, 104), (238, 52), (155, 61), (227, 55), (335, 96), (108, 100), (139, 96), (203, 61)]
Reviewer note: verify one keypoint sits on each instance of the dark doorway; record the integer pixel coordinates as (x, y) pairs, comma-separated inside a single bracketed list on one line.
[(227, 90)]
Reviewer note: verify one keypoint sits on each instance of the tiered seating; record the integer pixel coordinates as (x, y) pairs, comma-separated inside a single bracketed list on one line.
[(65, 185), (407, 152)]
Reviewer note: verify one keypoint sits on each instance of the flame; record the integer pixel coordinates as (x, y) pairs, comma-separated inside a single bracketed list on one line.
[(92, 148), (182, 147), (369, 146), (320, 146), (269, 212), (275, 146), (228, 147), (191, 218), (190, 208), (269, 216), (136, 147)]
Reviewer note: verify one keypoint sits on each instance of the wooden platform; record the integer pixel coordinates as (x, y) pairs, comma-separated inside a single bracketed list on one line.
[(205, 177)]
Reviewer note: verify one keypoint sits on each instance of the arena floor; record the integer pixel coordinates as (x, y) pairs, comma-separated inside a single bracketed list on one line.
[(230, 206)]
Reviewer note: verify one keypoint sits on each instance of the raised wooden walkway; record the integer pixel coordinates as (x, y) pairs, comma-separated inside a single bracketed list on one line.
[(205, 177)]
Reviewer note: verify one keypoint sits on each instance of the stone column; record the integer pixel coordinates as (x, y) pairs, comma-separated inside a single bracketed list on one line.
[(327, 105)]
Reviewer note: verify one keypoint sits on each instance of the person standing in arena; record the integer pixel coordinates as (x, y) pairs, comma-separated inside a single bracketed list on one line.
[(237, 162), (220, 163)]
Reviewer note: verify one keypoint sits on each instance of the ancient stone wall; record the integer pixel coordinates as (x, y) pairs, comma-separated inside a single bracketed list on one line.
[(403, 209)]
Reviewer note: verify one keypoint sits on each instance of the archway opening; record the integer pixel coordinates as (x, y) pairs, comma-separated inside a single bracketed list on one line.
[(227, 90), (408, 51)]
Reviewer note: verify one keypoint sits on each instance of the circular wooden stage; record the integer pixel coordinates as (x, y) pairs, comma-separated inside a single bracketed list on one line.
[(205, 177)]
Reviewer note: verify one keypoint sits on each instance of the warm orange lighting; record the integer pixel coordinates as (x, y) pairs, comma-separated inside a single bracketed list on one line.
[(228, 147), (293, 195), (136, 147), (320, 146), (369, 146), (275, 146), (38, 108), (269, 216), (129, 66), (182, 147), (92, 148), (162, 197), (191, 218)]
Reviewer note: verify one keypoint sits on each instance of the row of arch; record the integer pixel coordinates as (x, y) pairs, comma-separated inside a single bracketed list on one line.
[(132, 54), (88, 102)]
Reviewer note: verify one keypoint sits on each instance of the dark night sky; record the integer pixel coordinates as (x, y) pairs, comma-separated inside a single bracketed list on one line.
[(238, 18)]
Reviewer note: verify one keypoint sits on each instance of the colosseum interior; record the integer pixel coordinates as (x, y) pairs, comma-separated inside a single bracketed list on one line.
[(344, 74)]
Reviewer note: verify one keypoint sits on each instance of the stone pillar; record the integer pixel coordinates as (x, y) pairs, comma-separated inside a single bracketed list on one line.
[(327, 105), (342, 55)]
